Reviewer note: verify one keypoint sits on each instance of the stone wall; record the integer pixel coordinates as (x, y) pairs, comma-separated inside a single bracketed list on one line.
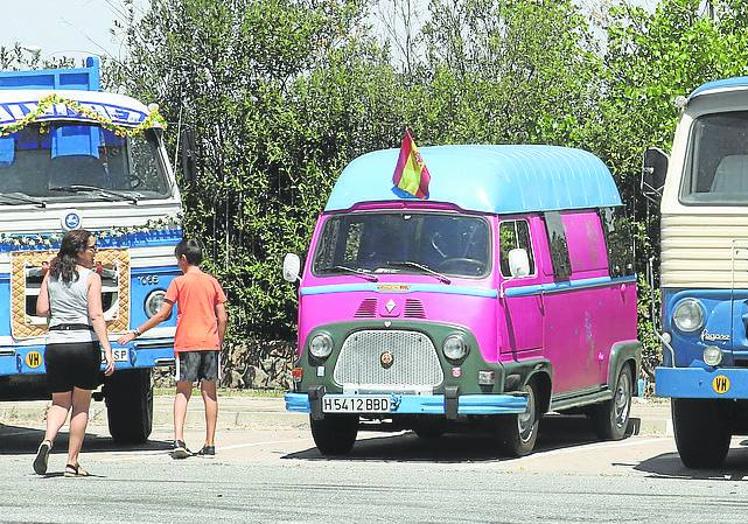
[(252, 364)]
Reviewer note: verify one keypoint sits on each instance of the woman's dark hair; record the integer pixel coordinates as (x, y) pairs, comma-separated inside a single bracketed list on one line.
[(62, 266), (192, 251)]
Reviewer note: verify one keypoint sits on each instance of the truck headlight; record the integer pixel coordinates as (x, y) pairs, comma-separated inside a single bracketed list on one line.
[(153, 302), (688, 315), (454, 347), (321, 345)]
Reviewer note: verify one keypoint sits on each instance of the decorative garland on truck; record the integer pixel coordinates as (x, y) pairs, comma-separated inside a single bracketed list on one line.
[(161, 226), (153, 119)]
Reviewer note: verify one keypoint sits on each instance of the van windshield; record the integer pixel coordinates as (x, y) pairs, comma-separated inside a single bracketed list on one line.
[(400, 242), (73, 162), (717, 164)]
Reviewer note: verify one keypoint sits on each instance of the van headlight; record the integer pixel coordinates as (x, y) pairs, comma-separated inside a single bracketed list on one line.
[(153, 302), (688, 315), (321, 345), (455, 347)]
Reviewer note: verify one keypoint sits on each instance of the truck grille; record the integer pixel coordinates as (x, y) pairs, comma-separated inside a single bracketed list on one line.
[(414, 361)]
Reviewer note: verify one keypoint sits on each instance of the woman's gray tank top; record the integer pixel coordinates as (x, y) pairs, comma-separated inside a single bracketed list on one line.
[(68, 304)]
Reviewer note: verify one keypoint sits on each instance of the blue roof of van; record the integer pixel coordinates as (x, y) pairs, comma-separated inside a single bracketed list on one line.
[(492, 179), (734, 83)]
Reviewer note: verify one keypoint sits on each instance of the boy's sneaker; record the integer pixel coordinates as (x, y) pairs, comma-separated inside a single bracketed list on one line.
[(180, 450), (207, 451), (42, 457)]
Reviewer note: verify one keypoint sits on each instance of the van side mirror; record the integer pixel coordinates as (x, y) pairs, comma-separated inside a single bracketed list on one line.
[(188, 155), (654, 171), (519, 263), (291, 267)]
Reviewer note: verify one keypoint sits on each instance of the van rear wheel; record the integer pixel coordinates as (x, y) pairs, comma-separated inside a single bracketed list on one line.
[(335, 434), (518, 433), (611, 418), (702, 433)]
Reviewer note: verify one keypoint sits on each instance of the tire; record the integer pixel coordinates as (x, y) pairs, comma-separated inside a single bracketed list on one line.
[(335, 434), (129, 402), (611, 418), (518, 433), (702, 432)]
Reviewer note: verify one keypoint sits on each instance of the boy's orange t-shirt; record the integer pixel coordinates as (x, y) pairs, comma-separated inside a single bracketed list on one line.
[(196, 295)]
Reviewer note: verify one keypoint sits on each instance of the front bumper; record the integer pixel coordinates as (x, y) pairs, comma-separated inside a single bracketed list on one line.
[(428, 404), (731, 383), (29, 360)]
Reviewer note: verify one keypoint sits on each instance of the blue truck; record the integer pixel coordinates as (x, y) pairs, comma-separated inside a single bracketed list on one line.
[(72, 156)]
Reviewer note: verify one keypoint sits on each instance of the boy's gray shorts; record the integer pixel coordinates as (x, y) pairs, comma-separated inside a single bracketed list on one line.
[(193, 366)]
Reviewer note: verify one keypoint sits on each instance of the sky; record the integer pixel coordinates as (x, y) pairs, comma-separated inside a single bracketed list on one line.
[(74, 28), (78, 28)]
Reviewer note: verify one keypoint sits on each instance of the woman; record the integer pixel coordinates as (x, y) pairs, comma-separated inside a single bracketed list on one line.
[(70, 296)]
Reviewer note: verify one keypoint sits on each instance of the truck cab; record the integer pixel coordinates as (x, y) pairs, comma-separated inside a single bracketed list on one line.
[(704, 270), (72, 156)]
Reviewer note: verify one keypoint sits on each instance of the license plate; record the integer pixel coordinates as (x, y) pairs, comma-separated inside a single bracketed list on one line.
[(355, 404), (120, 355)]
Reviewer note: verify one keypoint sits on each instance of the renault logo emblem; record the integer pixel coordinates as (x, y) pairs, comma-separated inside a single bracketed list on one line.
[(386, 359)]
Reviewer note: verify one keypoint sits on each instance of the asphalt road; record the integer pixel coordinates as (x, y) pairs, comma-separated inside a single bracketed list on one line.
[(273, 473)]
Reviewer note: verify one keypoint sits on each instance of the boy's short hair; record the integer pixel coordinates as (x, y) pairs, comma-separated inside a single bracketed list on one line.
[(192, 251)]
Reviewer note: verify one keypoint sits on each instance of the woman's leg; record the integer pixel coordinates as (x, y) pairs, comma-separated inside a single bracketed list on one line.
[(57, 414), (78, 423)]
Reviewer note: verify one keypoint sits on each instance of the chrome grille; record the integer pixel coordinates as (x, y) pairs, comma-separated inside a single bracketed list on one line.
[(415, 362)]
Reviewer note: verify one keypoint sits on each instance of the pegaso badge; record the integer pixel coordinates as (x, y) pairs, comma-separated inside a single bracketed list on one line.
[(71, 220), (386, 359)]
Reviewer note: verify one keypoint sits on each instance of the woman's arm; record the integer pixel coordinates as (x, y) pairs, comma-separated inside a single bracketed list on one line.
[(42, 301), (96, 315)]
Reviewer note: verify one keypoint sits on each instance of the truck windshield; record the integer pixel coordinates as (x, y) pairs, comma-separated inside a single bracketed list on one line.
[(422, 243), (72, 162), (717, 164)]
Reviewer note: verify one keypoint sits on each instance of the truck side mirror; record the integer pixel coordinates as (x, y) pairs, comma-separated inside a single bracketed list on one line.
[(519, 263), (188, 155), (291, 267), (654, 171)]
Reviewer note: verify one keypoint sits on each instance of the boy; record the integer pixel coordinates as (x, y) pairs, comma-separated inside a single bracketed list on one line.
[(201, 325)]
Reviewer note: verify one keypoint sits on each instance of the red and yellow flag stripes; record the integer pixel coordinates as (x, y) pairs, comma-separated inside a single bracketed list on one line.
[(410, 173)]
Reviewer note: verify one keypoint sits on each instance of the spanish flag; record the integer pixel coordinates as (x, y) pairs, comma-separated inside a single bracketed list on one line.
[(410, 173)]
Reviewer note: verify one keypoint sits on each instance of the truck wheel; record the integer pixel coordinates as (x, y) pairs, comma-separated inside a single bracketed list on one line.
[(335, 434), (129, 402), (611, 418), (702, 433), (518, 433)]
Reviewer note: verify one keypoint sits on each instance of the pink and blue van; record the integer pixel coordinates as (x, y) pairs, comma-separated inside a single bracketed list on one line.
[(506, 294)]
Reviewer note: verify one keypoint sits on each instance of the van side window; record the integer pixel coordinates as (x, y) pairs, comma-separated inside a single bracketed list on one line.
[(557, 242), (515, 234), (619, 236)]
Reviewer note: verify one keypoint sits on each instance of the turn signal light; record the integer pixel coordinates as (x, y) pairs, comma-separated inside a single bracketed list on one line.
[(297, 374)]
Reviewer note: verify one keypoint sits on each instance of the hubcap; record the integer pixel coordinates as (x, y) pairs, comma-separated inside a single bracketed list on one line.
[(526, 421), (622, 400)]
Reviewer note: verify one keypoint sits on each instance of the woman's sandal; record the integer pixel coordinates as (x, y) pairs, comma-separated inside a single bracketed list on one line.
[(42, 457), (75, 470)]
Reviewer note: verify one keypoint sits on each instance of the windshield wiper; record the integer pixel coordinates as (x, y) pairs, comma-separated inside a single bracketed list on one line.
[(357, 272), (81, 188), (21, 198), (421, 267)]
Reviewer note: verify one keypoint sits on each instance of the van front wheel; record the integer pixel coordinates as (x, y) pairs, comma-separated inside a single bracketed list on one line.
[(335, 434), (518, 433), (129, 402), (611, 418)]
